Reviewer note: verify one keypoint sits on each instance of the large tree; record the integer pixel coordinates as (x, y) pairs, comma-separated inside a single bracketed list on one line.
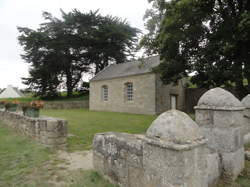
[(209, 38), (74, 45)]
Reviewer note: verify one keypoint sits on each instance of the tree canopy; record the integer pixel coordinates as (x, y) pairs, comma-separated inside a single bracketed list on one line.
[(60, 51), (209, 38)]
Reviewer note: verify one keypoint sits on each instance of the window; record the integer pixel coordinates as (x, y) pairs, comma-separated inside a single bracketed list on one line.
[(129, 91), (105, 93)]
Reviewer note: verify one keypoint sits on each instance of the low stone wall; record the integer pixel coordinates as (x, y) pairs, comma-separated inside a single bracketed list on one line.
[(66, 104), (51, 132)]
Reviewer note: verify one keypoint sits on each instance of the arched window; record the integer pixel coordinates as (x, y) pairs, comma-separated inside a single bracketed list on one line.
[(129, 91), (105, 93)]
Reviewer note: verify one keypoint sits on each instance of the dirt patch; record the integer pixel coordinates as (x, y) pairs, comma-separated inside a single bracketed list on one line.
[(76, 160)]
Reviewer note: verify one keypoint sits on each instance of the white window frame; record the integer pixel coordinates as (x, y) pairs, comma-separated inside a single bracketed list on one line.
[(105, 93), (129, 91)]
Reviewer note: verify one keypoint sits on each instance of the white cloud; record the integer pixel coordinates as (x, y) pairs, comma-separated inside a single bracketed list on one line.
[(28, 13)]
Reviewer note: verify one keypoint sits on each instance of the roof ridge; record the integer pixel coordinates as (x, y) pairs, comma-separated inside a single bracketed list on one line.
[(128, 68)]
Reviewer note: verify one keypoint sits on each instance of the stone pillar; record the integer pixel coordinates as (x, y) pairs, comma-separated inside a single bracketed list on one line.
[(220, 116), (246, 103), (172, 154)]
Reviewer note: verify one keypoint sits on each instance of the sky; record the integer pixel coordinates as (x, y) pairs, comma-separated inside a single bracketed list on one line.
[(28, 13)]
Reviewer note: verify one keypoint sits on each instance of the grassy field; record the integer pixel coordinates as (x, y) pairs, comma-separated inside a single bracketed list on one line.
[(27, 164), (23, 163), (83, 124)]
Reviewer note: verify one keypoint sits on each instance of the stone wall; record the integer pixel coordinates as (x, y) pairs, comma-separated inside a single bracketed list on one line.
[(161, 158), (175, 151), (48, 131), (192, 96), (66, 104), (144, 95), (163, 93), (150, 95)]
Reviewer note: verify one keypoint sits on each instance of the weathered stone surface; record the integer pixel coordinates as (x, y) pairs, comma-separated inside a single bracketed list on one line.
[(213, 168), (226, 140), (138, 160), (220, 116), (246, 101), (175, 126), (247, 139), (166, 167), (219, 98), (114, 154), (66, 104), (233, 163), (225, 119), (51, 132), (151, 96)]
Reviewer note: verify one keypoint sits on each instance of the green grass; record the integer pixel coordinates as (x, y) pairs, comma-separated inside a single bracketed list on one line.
[(18, 157), (27, 164), (84, 124), (23, 163)]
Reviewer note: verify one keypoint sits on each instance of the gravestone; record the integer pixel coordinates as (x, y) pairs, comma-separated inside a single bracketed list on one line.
[(172, 153), (220, 117)]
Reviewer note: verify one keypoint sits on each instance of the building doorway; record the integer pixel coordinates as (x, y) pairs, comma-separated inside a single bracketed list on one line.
[(173, 101)]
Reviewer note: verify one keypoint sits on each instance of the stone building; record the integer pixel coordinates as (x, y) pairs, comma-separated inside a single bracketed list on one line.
[(132, 87)]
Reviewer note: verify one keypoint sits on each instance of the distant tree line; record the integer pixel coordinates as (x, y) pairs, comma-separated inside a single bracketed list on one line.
[(62, 50), (208, 38)]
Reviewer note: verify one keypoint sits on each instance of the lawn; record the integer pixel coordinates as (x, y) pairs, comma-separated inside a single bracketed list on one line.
[(18, 158), (84, 124), (27, 164), (23, 163)]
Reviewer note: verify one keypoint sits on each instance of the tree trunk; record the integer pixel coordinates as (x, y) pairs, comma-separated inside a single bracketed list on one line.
[(240, 89), (69, 83)]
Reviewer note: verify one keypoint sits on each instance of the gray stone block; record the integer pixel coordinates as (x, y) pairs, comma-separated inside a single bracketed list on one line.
[(166, 167), (48, 131), (213, 168), (247, 139), (204, 117), (227, 119), (223, 140), (233, 163)]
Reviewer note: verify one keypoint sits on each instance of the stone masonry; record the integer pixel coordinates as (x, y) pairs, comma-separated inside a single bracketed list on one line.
[(66, 104), (220, 117), (175, 151), (50, 132), (246, 103), (171, 154)]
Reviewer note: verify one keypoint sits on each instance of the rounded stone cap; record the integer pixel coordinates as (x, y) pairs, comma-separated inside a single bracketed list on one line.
[(175, 126), (246, 101), (218, 98)]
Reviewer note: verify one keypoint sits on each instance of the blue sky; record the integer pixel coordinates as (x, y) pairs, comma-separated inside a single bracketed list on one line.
[(28, 13)]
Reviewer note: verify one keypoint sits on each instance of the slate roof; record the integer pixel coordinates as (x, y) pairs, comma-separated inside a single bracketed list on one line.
[(128, 69)]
